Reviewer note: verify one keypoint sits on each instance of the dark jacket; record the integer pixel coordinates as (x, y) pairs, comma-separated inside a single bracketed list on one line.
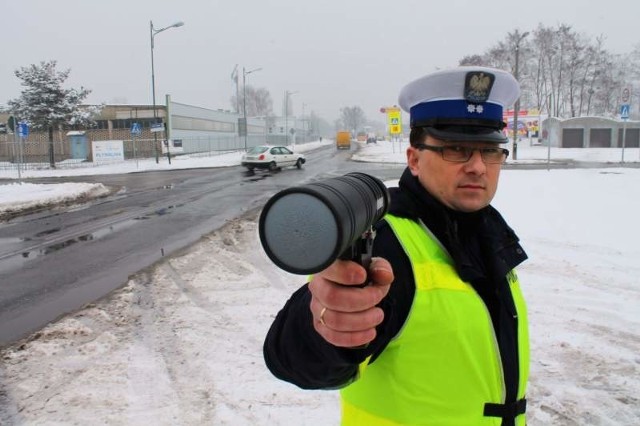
[(484, 250)]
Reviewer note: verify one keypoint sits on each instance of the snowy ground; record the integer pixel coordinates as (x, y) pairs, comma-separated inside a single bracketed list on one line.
[(181, 342)]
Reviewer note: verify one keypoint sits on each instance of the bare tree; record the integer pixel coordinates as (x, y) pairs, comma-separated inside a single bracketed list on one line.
[(476, 60), (259, 102), (634, 83), (553, 47), (563, 72), (352, 118), (577, 59)]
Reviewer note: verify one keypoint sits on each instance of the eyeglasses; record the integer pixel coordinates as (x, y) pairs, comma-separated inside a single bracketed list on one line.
[(462, 154)]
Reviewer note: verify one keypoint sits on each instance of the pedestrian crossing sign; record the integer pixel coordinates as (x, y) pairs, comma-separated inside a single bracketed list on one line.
[(395, 124), (136, 129), (624, 111)]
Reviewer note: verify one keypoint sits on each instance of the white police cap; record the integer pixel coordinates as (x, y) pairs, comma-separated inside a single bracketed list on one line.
[(461, 104)]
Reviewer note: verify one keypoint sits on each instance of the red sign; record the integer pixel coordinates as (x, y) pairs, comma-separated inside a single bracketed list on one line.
[(509, 112)]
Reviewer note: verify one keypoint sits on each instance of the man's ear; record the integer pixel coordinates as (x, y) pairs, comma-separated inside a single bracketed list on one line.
[(412, 160)]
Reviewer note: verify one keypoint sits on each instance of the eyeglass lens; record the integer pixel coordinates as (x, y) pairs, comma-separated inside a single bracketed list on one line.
[(463, 154)]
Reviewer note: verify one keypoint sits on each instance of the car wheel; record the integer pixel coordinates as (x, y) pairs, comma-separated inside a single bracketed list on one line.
[(299, 163), (273, 166)]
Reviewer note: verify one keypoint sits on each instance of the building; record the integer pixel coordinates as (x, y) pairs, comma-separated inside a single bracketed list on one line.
[(184, 129), (590, 132)]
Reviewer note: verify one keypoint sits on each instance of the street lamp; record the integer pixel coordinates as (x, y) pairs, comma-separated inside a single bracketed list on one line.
[(286, 115), (153, 32), (244, 101), (516, 107), (304, 128)]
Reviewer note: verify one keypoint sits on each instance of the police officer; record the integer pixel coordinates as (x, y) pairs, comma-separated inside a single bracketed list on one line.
[(440, 335)]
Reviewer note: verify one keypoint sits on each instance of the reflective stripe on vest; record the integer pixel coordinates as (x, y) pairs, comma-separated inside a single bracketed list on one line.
[(444, 365)]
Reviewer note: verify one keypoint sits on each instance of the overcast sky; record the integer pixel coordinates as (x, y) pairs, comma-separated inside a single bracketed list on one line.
[(333, 53)]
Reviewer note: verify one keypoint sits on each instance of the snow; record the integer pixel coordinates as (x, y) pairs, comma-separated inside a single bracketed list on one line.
[(182, 343)]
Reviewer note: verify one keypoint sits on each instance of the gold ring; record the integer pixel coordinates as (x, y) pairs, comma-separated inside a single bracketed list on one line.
[(324, 309)]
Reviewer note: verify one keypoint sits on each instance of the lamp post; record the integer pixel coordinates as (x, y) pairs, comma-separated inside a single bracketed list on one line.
[(516, 108), (304, 128), (244, 101), (286, 115), (153, 32)]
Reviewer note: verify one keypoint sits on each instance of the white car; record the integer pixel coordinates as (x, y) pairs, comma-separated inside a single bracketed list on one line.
[(271, 158)]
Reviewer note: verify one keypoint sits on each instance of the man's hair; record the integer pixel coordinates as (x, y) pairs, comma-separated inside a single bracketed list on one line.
[(417, 135)]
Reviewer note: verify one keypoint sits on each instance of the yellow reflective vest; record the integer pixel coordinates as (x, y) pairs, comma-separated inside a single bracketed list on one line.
[(444, 365)]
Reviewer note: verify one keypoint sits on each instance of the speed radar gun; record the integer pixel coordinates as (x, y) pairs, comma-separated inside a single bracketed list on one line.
[(304, 229)]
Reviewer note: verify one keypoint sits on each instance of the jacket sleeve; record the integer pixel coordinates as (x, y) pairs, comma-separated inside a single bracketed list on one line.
[(295, 352)]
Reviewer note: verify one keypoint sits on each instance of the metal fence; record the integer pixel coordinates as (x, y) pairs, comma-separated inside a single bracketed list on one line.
[(35, 155)]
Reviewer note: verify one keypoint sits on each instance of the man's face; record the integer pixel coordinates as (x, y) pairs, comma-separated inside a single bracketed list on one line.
[(465, 187)]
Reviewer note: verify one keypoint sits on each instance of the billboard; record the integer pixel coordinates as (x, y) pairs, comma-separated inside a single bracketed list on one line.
[(107, 151)]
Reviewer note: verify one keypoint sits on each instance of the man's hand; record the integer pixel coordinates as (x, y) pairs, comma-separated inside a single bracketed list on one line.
[(344, 312)]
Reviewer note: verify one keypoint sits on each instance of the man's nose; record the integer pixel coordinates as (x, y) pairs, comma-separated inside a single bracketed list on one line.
[(475, 164)]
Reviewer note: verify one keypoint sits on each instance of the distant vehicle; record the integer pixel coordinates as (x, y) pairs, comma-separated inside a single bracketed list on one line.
[(343, 139), (271, 158), (361, 136)]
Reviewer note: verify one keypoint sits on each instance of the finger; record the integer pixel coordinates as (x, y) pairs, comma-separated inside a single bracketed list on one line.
[(381, 275), (353, 321), (346, 321), (317, 309), (380, 271), (342, 298), (346, 339), (345, 272), (330, 289)]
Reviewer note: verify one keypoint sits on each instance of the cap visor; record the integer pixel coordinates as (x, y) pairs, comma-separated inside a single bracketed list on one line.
[(467, 134)]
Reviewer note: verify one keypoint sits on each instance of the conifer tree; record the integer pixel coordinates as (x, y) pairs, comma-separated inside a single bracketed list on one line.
[(45, 105)]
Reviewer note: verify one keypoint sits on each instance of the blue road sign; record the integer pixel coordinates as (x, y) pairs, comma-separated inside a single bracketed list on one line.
[(624, 111), (23, 129), (136, 129)]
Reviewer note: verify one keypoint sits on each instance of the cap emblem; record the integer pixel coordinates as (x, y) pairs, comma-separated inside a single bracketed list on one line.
[(477, 86), (475, 108)]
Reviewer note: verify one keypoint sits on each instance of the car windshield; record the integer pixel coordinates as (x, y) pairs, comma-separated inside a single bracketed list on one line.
[(257, 149)]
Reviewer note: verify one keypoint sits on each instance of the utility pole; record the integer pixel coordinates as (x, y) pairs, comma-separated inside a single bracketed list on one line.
[(153, 32), (286, 115), (234, 77), (244, 101), (516, 107)]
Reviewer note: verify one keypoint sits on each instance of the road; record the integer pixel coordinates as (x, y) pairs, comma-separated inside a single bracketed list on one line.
[(55, 261)]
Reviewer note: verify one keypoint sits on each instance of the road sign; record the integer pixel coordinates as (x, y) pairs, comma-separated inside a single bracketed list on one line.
[(624, 111), (157, 127), (395, 125), (136, 129), (23, 129), (625, 95)]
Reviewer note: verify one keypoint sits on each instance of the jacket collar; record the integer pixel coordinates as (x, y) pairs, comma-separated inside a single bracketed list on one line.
[(481, 243)]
